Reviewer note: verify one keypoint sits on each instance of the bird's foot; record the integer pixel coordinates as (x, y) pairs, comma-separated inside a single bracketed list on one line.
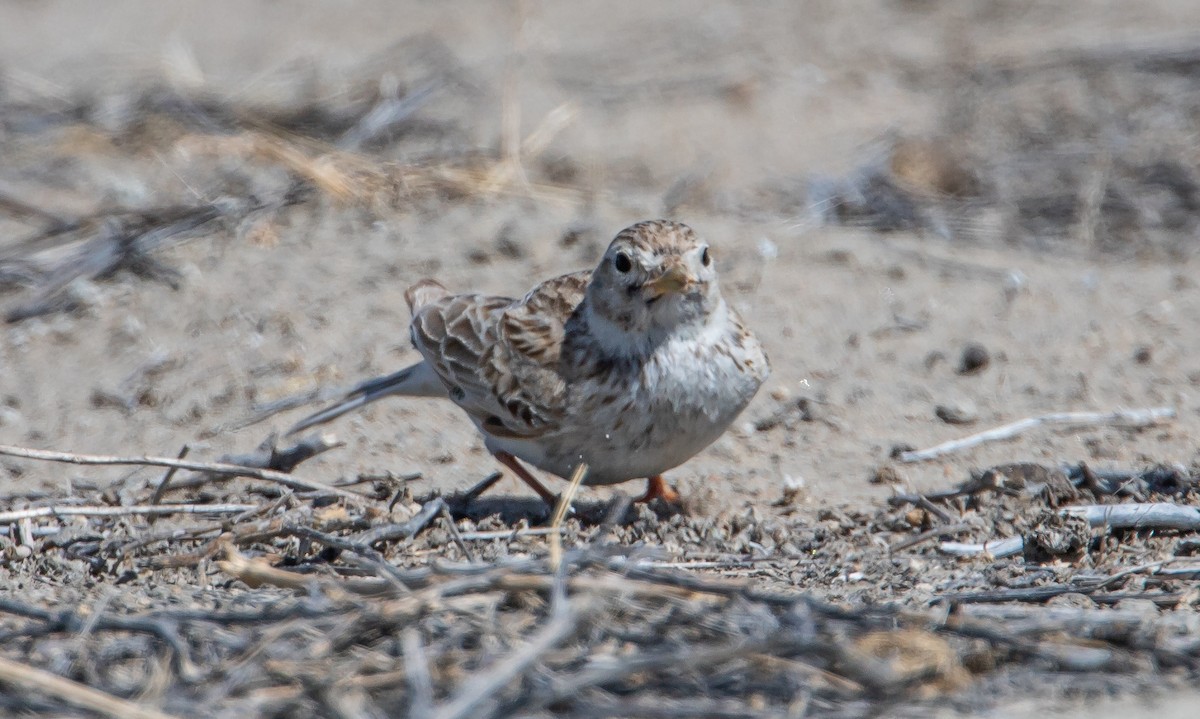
[(657, 488)]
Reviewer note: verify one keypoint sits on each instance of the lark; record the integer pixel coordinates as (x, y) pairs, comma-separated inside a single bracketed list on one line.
[(631, 368)]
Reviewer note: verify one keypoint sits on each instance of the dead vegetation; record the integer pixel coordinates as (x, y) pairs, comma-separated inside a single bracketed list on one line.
[(358, 600), (378, 604), (1073, 152)]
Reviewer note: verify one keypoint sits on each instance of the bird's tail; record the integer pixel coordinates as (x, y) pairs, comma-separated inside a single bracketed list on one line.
[(418, 380)]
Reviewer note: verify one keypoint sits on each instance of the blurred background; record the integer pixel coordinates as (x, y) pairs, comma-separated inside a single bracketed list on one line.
[(209, 212)]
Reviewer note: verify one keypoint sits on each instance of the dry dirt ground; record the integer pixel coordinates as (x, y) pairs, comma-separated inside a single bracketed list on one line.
[(201, 221)]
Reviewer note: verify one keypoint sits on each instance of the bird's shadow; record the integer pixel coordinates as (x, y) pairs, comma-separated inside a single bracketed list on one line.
[(513, 510)]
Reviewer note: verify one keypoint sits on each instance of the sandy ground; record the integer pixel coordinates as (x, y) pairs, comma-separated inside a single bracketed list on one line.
[(709, 116)]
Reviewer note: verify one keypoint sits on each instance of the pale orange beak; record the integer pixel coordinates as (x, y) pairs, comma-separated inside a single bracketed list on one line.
[(674, 278)]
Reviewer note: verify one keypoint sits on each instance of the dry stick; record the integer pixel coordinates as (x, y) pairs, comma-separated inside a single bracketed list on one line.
[(616, 512), (235, 470), (22, 515), (416, 671), (25, 529), (455, 534), (726, 564), (478, 689), (256, 572), (482, 486), (560, 511), (166, 480), (270, 457), (601, 674), (1129, 418), (388, 477), (507, 534), (927, 535), (924, 503), (409, 529), (1152, 567), (26, 677), (1156, 515), (372, 559)]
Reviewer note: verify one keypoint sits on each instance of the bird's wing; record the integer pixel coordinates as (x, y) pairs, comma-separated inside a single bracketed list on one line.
[(499, 357)]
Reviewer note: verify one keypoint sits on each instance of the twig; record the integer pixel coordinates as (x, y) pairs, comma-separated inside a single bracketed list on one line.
[(373, 559), (388, 477), (269, 456), (455, 534), (927, 535), (255, 572), (13, 205), (25, 529), (1024, 620), (1128, 418), (1042, 594), (166, 480), (387, 113), (17, 515), (1118, 576), (481, 486), (406, 530), (924, 503), (122, 243), (615, 514), (564, 503), (1156, 515), (478, 689), (507, 534), (267, 475), (416, 671), (725, 563), (23, 677)]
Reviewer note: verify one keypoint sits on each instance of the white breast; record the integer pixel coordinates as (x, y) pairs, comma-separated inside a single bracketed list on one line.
[(690, 389)]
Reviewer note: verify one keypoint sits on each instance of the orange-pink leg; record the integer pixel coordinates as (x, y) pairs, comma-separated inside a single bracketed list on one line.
[(515, 465), (657, 488)]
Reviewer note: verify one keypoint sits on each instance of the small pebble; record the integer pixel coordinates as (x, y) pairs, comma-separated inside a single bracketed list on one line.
[(886, 474), (975, 358), (508, 245), (1143, 354), (958, 412), (575, 233)]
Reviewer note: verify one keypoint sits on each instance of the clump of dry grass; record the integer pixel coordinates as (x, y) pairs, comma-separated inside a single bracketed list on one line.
[(1083, 153), (180, 150)]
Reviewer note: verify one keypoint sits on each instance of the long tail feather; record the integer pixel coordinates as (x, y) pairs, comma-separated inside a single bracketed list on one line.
[(418, 380)]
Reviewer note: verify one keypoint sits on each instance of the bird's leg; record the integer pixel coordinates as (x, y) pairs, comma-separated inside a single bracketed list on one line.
[(515, 465), (657, 488)]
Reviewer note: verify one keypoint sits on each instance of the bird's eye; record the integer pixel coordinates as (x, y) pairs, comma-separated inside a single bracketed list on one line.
[(622, 263), (705, 258)]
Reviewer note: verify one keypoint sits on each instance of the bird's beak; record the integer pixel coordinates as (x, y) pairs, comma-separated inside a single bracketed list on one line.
[(675, 278)]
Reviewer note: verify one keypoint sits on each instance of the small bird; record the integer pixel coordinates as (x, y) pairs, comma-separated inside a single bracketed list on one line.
[(631, 368)]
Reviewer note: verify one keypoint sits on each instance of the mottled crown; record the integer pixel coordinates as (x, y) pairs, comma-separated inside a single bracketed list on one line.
[(664, 237)]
